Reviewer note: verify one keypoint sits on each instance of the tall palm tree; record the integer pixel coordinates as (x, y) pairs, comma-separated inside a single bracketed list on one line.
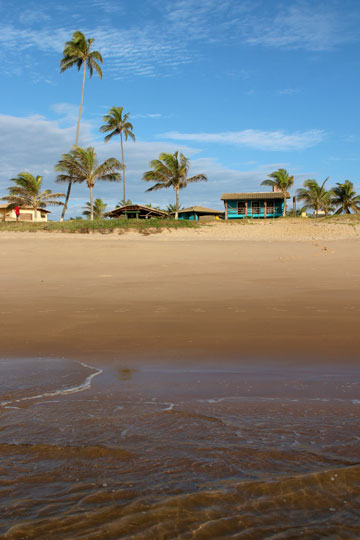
[(171, 170), (99, 209), (314, 196), (346, 198), (27, 192), (118, 124), (281, 181), (77, 52), (84, 167)]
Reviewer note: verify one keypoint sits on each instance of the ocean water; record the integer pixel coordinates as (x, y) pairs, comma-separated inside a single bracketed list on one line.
[(111, 452)]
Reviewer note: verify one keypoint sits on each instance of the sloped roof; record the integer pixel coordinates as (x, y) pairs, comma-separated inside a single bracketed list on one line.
[(200, 209), (136, 208), (254, 195)]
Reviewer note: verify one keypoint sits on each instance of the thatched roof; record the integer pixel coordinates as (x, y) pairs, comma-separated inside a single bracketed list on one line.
[(136, 208), (256, 195), (200, 210)]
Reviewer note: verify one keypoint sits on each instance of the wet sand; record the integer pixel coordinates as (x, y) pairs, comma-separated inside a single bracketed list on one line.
[(253, 452), (221, 292)]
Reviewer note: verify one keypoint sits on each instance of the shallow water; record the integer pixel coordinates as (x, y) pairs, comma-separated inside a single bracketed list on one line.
[(154, 453)]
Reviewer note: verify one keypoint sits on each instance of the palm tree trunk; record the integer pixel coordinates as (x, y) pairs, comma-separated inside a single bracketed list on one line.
[(76, 143), (91, 204), (66, 201), (177, 204), (123, 164), (284, 214), (81, 105)]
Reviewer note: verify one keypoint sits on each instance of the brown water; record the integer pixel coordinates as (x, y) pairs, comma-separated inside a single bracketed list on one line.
[(248, 452)]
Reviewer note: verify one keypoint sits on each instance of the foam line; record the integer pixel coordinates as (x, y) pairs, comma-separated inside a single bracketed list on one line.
[(61, 392)]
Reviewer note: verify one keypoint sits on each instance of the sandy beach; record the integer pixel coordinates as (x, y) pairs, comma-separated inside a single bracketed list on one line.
[(191, 383), (268, 289)]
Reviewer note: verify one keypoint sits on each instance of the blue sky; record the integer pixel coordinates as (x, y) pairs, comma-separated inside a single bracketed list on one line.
[(240, 87)]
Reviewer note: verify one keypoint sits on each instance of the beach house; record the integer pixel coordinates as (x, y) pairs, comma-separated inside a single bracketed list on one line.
[(27, 213), (254, 205), (196, 213), (136, 211)]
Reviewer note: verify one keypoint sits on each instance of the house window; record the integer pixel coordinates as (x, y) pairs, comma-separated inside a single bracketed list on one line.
[(255, 208), (42, 214), (26, 217), (270, 207), (241, 207)]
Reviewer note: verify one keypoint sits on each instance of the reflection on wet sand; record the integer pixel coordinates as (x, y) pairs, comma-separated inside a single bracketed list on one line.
[(126, 374), (155, 453)]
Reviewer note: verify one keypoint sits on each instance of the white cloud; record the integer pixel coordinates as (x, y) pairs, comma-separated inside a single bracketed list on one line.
[(252, 138), (152, 45), (315, 26), (147, 115), (67, 112), (288, 91)]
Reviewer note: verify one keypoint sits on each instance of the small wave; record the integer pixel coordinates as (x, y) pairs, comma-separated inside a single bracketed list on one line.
[(86, 385), (273, 508), (52, 451)]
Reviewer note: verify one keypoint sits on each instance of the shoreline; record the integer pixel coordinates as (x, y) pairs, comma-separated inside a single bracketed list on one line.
[(152, 299)]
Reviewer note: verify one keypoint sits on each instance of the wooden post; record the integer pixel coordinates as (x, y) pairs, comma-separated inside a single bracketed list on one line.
[(265, 209), (226, 210), (246, 209), (294, 206)]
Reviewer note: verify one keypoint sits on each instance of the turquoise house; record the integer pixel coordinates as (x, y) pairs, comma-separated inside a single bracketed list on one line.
[(196, 213), (260, 205)]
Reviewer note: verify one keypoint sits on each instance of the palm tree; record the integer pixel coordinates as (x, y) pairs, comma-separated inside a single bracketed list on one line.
[(124, 203), (346, 198), (99, 209), (84, 167), (27, 192), (171, 208), (77, 52), (314, 196), (171, 170), (118, 124), (328, 203), (281, 181)]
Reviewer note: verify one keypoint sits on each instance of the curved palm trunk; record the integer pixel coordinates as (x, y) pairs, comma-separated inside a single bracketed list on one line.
[(66, 202), (91, 204), (76, 144), (177, 204), (123, 164)]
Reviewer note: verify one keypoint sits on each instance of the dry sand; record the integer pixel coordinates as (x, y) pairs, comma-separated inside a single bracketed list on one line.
[(230, 291)]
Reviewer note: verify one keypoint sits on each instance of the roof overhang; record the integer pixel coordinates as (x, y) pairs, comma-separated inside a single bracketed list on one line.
[(136, 208), (263, 195)]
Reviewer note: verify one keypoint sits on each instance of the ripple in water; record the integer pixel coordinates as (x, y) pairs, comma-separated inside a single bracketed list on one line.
[(111, 453)]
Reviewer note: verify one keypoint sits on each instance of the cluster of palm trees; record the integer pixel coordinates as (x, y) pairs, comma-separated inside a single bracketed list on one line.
[(340, 199), (81, 164)]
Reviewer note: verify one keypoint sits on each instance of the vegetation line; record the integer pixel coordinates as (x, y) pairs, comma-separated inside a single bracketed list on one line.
[(104, 226)]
